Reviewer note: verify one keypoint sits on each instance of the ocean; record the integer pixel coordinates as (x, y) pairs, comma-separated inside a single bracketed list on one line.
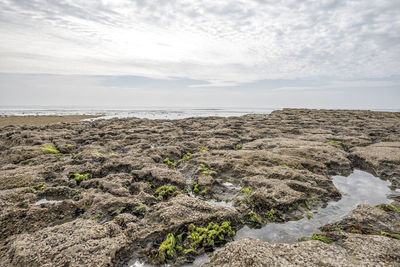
[(138, 112)]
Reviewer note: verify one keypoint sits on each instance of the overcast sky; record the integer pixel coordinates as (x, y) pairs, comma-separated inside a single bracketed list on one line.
[(317, 54)]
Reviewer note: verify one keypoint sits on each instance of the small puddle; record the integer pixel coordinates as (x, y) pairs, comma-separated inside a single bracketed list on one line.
[(46, 201), (358, 188), (227, 204)]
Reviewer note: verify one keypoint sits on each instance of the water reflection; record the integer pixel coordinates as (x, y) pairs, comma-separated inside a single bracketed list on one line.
[(358, 188)]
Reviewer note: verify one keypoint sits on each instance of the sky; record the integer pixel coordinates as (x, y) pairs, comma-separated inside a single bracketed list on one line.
[(193, 53)]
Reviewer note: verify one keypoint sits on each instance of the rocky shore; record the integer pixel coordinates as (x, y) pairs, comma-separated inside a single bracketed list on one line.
[(119, 191)]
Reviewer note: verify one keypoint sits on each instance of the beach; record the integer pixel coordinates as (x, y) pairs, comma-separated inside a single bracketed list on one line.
[(41, 120), (130, 191)]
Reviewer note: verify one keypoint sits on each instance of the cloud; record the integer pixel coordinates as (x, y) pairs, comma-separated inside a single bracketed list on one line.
[(221, 43)]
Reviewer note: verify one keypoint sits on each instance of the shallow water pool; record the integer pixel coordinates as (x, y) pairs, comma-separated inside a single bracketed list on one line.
[(358, 188)]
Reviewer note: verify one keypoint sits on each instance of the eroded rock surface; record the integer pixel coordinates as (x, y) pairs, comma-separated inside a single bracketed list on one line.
[(351, 250), (382, 159), (120, 186)]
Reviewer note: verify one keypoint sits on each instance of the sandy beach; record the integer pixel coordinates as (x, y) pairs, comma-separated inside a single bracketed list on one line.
[(121, 192), (40, 120)]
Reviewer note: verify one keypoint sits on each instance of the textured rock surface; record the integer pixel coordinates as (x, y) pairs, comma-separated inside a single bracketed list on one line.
[(73, 243), (283, 160), (351, 250), (382, 159)]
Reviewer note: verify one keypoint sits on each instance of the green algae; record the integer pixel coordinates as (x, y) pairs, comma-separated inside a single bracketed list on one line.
[(254, 219), (206, 237), (389, 207), (182, 247), (196, 188), (395, 236), (166, 191), (205, 191), (167, 249), (322, 238), (246, 191), (80, 177), (271, 214), (174, 164), (50, 149), (204, 170), (38, 187)]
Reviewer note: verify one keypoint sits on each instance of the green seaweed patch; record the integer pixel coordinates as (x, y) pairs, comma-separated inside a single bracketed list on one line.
[(270, 214), (49, 149), (338, 144), (150, 185), (238, 146), (204, 149), (167, 249), (333, 142), (395, 236), (80, 177), (309, 215), (183, 247), (322, 237), (212, 235), (389, 207), (190, 251), (205, 191), (166, 191), (172, 164), (254, 219), (196, 189), (204, 170), (246, 191), (38, 187)]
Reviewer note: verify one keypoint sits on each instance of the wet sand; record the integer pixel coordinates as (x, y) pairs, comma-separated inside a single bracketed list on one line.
[(41, 120)]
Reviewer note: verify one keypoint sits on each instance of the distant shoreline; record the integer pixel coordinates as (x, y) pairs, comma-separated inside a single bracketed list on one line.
[(40, 120)]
